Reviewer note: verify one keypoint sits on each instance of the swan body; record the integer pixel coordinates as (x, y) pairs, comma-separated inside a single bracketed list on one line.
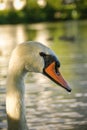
[(28, 57)]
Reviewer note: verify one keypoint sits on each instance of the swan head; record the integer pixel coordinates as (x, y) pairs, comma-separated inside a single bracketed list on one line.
[(35, 57)]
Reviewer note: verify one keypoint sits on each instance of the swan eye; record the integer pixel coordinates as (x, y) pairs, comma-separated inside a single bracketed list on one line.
[(57, 65), (42, 54), (48, 59)]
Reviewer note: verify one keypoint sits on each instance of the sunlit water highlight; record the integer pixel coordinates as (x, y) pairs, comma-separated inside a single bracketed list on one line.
[(48, 106)]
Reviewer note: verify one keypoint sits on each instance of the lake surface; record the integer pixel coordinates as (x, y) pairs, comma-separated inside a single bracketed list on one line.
[(49, 106)]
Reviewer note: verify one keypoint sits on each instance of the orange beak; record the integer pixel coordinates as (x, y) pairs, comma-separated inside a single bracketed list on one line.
[(56, 77)]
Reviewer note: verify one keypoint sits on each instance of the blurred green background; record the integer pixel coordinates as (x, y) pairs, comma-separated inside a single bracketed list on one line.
[(31, 11)]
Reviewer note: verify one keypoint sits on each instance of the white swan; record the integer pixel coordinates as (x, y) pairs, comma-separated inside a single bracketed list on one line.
[(33, 57)]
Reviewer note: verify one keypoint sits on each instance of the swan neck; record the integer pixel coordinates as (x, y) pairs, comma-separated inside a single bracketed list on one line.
[(15, 106)]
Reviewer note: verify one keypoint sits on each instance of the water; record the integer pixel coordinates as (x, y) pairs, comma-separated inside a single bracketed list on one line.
[(48, 106)]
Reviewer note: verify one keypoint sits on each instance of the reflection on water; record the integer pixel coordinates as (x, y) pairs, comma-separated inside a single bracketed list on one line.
[(49, 106)]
